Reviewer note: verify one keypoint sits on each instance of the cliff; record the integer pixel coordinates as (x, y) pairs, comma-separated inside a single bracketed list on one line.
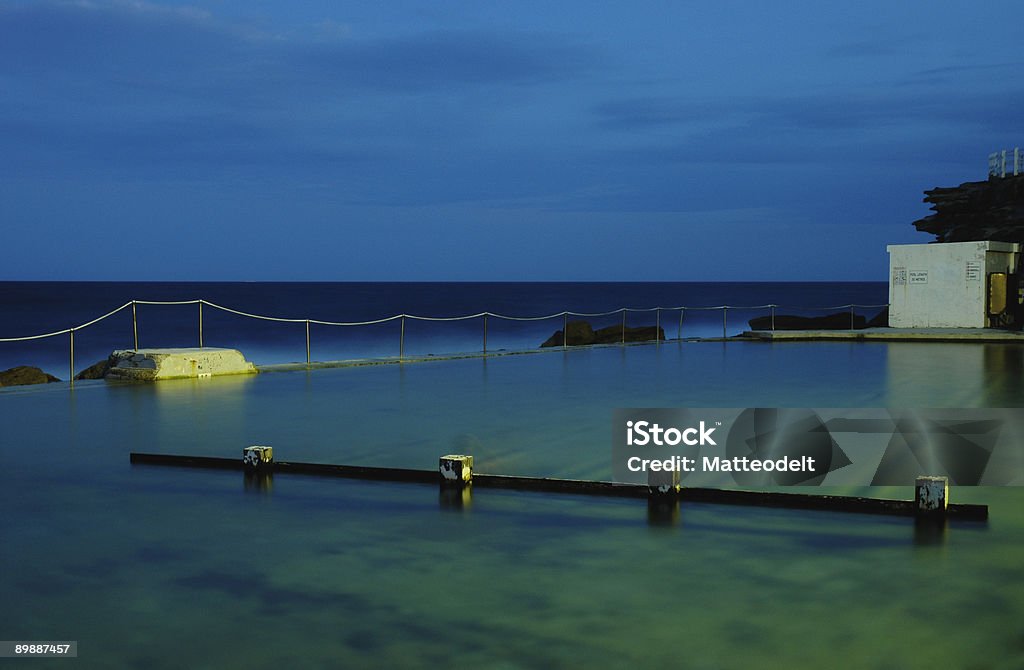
[(977, 210)]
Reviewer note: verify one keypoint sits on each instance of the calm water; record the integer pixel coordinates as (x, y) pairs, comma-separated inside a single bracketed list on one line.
[(166, 568)]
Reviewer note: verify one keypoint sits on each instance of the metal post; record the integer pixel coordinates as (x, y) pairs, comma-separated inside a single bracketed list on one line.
[(135, 326), (72, 356), (679, 334), (623, 326), (200, 324), (851, 317), (725, 312), (773, 317), (565, 329), (401, 341), (485, 333), (307, 342), (657, 326)]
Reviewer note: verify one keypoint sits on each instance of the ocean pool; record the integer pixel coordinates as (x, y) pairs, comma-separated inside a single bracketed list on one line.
[(163, 567)]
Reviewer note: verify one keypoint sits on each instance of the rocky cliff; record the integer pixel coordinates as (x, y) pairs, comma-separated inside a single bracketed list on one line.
[(977, 210)]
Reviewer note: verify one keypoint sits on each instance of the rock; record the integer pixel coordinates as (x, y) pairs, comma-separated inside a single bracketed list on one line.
[(880, 320), (582, 333), (25, 374), (97, 370), (579, 333), (835, 321), (977, 210), (613, 334)]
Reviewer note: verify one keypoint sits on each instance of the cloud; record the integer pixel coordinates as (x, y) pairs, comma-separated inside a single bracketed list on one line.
[(783, 128), (124, 87), (118, 41)]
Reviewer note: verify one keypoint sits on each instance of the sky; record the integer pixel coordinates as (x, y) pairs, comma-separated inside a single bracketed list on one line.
[(477, 141)]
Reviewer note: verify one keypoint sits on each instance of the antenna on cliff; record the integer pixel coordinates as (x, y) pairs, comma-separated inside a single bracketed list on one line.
[(997, 163)]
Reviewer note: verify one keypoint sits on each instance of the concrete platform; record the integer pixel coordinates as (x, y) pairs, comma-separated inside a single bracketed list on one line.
[(155, 364), (890, 335)]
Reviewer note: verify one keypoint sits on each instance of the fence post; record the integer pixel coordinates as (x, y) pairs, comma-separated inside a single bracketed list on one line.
[(135, 326), (307, 343), (851, 317), (565, 329), (200, 324), (401, 341), (725, 313), (773, 317), (485, 333), (72, 356), (623, 326), (657, 326), (679, 333)]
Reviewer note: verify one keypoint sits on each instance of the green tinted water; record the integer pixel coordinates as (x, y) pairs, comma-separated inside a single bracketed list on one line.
[(154, 567)]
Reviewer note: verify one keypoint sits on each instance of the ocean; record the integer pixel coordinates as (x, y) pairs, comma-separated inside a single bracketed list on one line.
[(167, 568)]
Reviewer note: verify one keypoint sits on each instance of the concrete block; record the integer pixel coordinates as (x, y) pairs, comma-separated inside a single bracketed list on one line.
[(156, 364), (931, 495), (258, 458), (663, 482), (456, 469)]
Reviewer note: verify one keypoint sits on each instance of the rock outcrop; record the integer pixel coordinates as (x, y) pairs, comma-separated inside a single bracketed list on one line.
[(25, 374), (97, 370), (834, 321), (977, 211), (581, 333)]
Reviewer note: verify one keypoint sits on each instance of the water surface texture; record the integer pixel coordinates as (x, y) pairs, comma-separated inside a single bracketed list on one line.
[(168, 568)]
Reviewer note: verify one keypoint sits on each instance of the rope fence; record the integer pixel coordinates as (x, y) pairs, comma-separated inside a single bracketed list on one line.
[(623, 311)]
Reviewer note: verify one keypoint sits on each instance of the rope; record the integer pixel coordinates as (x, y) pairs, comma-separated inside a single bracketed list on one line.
[(251, 316), (167, 302), (35, 337), (357, 323), (822, 309), (415, 317), (66, 330), (444, 318), (86, 325), (526, 318)]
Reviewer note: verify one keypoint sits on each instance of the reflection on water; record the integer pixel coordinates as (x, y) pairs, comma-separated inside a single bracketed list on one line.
[(950, 374), (258, 482), (165, 567)]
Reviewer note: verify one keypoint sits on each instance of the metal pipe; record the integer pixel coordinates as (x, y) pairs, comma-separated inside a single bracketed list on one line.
[(851, 317), (72, 356), (679, 334), (307, 342), (623, 326), (135, 326), (773, 317), (485, 333), (401, 341), (725, 312), (200, 324), (657, 326), (565, 329)]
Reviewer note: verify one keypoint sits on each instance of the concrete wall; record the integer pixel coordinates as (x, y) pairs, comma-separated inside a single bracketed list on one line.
[(944, 285)]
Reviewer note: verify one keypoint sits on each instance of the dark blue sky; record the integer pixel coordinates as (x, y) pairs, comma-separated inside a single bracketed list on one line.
[(247, 140)]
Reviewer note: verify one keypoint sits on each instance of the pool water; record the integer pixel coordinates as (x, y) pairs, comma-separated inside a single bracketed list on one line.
[(167, 568)]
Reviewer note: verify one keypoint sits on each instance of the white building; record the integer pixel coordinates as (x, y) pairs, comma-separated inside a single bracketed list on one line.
[(953, 284)]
